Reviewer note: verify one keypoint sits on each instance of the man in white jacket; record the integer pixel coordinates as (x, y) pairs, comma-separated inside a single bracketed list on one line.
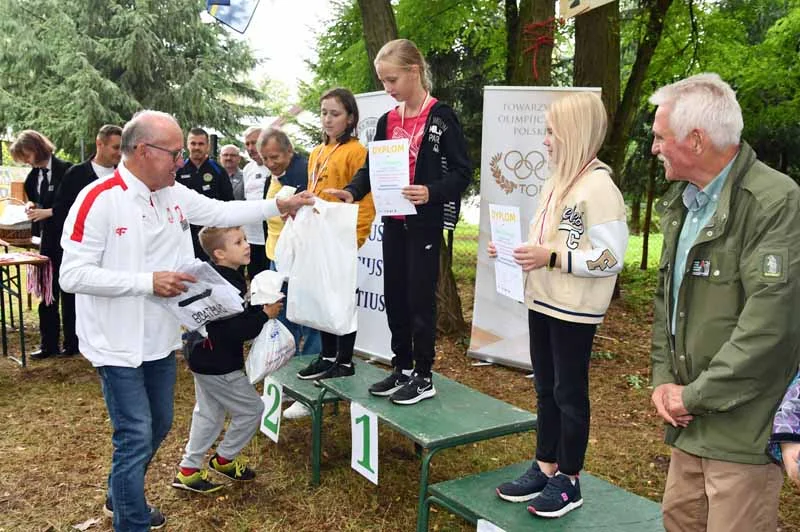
[(124, 240)]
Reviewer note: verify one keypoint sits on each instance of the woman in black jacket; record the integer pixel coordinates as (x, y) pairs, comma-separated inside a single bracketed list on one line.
[(439, 171)]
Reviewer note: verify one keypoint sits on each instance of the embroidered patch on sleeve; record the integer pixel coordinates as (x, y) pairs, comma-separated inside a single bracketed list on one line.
[(605, 261), (772, 266)]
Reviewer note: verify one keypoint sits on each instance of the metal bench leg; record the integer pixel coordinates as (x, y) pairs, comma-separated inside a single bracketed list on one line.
[(422, 507), (316, 438)]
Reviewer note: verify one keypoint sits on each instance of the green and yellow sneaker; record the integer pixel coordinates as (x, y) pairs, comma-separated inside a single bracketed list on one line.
[(236, 470), (197, 482)]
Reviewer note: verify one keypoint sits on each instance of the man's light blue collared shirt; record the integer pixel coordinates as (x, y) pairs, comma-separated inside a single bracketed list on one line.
[(701, 205)]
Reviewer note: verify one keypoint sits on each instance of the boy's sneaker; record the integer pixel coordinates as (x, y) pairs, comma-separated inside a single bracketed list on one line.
[(526, 487), (235, 470), (558, 497), (197, 482), (414, 391), (296, 411), (316, 369), (338, 370), (157, 519), (390, 384)]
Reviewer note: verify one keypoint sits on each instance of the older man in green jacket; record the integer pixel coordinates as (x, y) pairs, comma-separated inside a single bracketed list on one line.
[(725, 332)]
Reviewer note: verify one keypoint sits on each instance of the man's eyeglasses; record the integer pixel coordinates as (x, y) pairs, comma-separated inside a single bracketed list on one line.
[(175, 154)]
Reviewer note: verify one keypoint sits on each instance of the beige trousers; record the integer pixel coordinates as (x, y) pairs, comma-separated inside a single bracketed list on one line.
[(704, 495)]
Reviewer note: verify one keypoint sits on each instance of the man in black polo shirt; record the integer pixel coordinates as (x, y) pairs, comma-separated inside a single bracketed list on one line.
[(203, 175)]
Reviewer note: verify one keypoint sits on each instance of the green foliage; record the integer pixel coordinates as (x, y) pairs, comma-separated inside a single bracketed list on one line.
[(68, 67)]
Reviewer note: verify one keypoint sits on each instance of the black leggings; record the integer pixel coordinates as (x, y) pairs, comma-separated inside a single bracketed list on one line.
[(410, 275), (339, 347), (560, 353)]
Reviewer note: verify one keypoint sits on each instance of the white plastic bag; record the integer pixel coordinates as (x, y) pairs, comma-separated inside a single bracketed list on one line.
[(285, 248), (322, 278), (210, 298), (271, 350)]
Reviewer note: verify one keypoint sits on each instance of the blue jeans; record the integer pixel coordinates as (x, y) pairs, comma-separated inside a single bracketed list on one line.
[(140, 404), (313, 340)]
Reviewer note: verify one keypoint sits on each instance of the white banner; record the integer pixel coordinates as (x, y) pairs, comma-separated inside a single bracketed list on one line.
[(513, 170), (373, 338)]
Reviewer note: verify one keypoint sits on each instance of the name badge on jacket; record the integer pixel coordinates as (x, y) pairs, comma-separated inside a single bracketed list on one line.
[(701, 267)]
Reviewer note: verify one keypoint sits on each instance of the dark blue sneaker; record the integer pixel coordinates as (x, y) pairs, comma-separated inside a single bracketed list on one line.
[(558, 497), (157, 519), (526, 487)]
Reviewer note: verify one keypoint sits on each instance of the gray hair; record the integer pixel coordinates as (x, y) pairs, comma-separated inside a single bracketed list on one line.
[(234, 146), (141, 128), (704, 102), (250, 130), (280, 137)]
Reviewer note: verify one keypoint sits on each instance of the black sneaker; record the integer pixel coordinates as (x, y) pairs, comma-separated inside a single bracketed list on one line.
[(157, 519), (390, 384), (316, 369), (558, 497), (526, 487), (197, 482), (415, 390), (339, 370)]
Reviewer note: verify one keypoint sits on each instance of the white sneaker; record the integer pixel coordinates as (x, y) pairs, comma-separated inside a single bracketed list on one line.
[(297, 410)]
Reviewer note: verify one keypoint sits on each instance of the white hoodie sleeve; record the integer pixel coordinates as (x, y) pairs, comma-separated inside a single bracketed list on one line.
[(201, 210), (607, 254)]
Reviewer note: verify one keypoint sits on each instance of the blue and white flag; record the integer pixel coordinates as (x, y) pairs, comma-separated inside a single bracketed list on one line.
[(235, 14)]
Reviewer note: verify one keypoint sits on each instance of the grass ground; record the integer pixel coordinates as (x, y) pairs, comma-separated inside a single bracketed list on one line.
[(56, 445)]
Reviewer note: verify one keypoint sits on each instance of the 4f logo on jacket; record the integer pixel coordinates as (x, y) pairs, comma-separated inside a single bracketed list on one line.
[(572, 222), (120, 230)]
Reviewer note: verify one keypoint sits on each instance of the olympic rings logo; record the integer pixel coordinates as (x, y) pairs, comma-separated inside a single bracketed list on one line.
[(526, 165)]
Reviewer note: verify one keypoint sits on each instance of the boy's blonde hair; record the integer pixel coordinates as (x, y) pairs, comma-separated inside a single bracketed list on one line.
[(213, 238), (404, 54)]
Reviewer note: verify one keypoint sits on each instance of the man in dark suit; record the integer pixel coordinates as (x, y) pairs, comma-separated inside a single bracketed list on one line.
[(47, 171), (100, 166), (203, 175)]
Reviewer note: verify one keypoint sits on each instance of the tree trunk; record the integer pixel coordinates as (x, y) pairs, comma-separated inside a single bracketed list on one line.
[(597, 53), (636, 213), (449, 312), (648, 211), (380, 27), (626, 111), (533, 43), (512, 26)]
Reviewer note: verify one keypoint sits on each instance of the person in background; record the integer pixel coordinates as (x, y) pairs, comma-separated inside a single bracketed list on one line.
[(220, 384), (332, 165), (41, 184), (440, 171), (124, 241), (575, 250), (725, 335), (203, 175), (287, 168), (784, 443), (256, 178), (230, 158)]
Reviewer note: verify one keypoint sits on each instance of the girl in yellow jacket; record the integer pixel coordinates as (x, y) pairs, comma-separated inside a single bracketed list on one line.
[(332, 165)]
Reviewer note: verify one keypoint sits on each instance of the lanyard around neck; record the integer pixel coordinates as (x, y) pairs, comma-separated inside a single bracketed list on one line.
[(317, 169), (416, 118)]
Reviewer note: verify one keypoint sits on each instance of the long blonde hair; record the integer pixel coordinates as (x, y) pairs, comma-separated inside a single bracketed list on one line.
[(579, 123), (404, 54)]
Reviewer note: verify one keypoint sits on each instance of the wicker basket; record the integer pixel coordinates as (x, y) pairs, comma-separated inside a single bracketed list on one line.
[(16, 234)]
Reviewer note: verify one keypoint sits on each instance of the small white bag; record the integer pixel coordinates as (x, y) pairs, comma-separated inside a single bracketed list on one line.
[(323, 274), (271, 350)]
